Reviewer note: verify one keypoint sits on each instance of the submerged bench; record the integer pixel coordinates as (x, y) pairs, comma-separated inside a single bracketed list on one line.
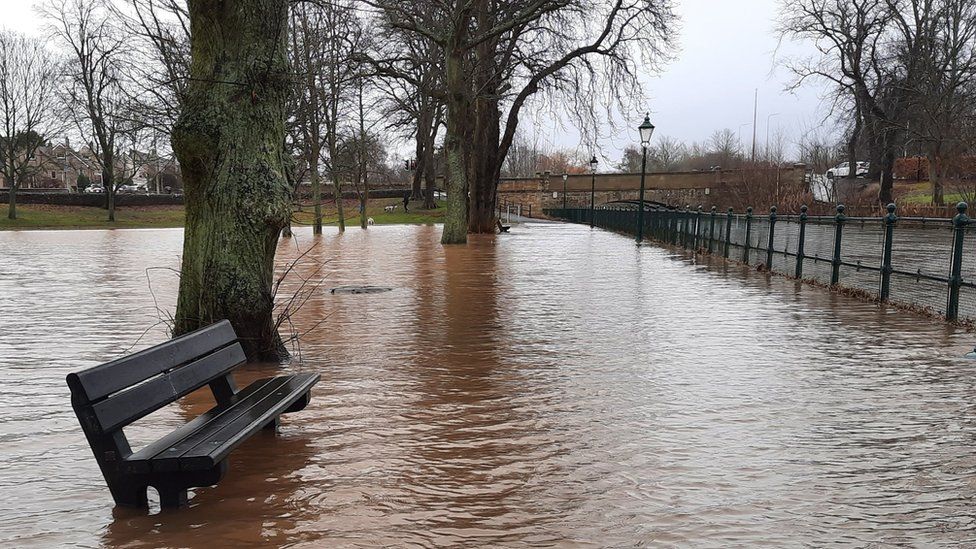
[(109, 397)]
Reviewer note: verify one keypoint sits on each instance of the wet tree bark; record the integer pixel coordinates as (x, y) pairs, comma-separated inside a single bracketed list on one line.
[(458, 109), (229, 140)]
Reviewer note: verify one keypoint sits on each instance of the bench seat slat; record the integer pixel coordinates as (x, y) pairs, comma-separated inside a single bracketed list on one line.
[(139, 462), (123, 408), (193, 448), (111, 377), (221, 442)]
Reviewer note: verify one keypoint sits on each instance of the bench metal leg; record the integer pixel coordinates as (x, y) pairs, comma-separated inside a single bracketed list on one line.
[(299, 404), (131, 496), (273, 424), (172, 497)]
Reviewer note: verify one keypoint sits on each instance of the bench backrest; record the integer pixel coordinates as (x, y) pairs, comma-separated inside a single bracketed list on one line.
[(120, 392)]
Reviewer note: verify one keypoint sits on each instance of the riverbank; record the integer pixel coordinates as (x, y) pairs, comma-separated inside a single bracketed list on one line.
[(38, 216)]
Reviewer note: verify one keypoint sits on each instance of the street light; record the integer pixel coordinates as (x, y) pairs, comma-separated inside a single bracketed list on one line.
[(565, 177), (593, 164), (646, 130)]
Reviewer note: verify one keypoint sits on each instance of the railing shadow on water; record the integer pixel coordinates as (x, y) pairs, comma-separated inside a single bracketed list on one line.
[(919, 263)]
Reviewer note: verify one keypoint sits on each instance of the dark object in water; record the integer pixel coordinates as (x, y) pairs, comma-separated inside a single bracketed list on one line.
[(360, 290)]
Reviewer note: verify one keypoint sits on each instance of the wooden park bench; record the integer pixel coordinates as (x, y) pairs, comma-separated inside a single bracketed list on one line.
[(502, 228), (109, 397)]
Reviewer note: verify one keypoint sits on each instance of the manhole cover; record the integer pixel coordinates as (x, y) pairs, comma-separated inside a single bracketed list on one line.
[(360, 290)]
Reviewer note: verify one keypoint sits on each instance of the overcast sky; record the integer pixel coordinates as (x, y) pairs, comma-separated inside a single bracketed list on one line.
[(727, 50)]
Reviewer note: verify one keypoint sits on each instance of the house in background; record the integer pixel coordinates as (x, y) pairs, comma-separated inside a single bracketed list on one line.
[(59, 166)]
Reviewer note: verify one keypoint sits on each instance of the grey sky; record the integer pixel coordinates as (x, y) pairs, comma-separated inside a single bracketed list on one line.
[(728, 49)]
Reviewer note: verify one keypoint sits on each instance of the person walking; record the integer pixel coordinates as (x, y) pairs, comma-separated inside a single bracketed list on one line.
[(406, 200)]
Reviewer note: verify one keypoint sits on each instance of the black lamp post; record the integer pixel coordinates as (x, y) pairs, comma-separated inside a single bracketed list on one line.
[(565, 177), (646, 130), (593, 164)]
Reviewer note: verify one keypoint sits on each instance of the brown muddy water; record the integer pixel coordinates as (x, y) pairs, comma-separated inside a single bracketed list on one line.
[(553, 387)]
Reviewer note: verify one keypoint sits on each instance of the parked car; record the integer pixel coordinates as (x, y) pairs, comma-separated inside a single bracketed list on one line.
[(844, 169), (94, 189)]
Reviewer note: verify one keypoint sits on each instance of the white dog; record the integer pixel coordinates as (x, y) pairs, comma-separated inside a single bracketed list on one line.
[(389, 209), (369, 221)]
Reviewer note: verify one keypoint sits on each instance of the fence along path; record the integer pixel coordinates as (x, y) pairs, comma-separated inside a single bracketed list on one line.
[(924, 263)]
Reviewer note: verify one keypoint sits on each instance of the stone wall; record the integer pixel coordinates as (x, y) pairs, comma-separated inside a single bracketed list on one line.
[(723, 189)]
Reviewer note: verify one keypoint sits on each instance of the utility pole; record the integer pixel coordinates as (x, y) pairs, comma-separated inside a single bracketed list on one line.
[(755, 114)]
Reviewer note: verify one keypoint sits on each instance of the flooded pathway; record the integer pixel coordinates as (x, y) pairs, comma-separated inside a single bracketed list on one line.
[(553, 387)]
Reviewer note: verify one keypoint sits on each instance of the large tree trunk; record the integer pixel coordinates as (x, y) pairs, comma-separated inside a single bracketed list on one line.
[(229, 140), (886, 192), (485, 164), (485, 137), (458, 110)]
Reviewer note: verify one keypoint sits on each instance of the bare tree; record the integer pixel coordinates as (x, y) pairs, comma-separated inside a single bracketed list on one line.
[(95, 97), (631, 160), (157, 61), (848, 35), (28, 83), (499, 54), (523, 157), (725, 146), (666, 155), (327, 41), (944, 89), (416, 103)]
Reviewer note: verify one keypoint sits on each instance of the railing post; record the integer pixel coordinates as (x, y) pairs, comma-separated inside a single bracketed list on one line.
[(682, 217), (889, 225), (711, 231), (800, 241), (676, 230), (689, 226), (728, 232), (769, 247), (745, 255), (838, 237), (698, 229), (959, 223)]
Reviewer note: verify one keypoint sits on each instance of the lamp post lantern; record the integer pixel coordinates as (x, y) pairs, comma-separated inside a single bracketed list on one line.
[(646, 130), (593, 164), (565, 177)]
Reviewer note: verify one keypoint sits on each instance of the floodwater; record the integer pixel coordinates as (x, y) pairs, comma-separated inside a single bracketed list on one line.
[(553, 387)]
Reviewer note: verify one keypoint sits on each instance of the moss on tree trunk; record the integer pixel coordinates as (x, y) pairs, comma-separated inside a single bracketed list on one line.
[(458, 108), (229, 140)]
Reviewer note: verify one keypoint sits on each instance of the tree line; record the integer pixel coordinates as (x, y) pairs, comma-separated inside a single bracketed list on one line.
[(902, 75)]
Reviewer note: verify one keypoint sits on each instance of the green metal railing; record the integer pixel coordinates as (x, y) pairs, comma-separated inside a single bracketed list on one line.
[(914, 261)]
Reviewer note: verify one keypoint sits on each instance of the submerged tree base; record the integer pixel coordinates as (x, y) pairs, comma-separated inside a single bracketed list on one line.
[(230, 143)]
